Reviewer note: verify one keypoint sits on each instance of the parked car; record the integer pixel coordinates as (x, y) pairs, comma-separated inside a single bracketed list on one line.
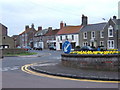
[(27, 48), (38, 48), (52, 48), (87, 48)]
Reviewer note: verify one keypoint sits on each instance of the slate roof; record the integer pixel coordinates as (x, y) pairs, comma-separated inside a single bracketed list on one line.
[(69, 30), (52, 32), (41, 32), (93, 27), (117, 21)]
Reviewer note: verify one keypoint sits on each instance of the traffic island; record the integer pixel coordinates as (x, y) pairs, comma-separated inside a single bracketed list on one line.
[(92, 61), (57, 69)]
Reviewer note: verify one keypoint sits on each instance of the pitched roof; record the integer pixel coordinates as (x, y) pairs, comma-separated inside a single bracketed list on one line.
[(69, 30), (93, 27), (27, 30), (52, 32), (41, 32), (117, 21)]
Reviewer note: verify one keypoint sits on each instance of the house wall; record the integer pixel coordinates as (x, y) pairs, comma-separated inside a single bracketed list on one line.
[(60, 42), (8, 41), (106, 38)]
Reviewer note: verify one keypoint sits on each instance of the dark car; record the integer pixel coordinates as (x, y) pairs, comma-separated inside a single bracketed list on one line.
[(88, 48), (52, 48), (37, 48)]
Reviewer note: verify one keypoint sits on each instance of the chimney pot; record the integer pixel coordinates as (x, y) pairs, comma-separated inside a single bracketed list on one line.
[(39, 28), (114, 17)]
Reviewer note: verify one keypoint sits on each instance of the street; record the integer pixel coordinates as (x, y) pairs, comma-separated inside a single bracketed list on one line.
[(14, 77)]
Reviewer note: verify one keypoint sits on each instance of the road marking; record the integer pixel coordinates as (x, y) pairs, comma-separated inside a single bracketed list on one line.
[(25, 69), (9, 68)]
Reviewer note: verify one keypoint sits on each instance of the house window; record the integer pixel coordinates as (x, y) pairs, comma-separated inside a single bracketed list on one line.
[(110, 44), (66, 37), (85, 43), (61, 38), (110, 31), (85, 35), (93, 34), (72, 37), (101, 34), (101, 43)]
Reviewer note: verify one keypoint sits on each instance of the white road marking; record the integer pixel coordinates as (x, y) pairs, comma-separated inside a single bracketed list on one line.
[(9, 68)]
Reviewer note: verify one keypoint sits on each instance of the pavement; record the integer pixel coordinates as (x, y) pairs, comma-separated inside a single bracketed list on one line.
[(57, 69)]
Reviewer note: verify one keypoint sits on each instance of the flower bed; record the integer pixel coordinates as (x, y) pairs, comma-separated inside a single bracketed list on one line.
[(99, 60), (95, 52)]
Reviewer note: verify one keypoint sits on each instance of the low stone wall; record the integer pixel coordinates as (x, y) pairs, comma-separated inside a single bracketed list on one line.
[(99, 61), (12, 51)]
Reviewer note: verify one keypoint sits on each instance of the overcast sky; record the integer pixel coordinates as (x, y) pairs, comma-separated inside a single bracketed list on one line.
[(49, 13)]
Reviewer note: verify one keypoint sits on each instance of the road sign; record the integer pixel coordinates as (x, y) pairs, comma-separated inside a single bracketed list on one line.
[(66, 47)]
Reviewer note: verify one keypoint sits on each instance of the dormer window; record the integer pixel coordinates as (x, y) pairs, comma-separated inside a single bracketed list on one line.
[(85, 35), (110, 31)]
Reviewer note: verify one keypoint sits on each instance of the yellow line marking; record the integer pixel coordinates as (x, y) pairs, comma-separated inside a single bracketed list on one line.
[(25, 69)]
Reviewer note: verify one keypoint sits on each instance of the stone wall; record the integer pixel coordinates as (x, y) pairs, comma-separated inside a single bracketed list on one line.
[(102, 62), (12, 51)]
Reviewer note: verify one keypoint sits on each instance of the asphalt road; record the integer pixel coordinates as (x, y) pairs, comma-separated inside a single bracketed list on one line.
[(14, 77)]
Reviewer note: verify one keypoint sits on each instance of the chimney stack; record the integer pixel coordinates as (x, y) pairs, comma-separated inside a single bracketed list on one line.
[(26, 27), (39, 28), (84, 20), (49, 28), (61, 24), (32, 26)]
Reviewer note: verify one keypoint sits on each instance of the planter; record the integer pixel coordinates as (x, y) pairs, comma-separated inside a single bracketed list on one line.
[(87, 61)]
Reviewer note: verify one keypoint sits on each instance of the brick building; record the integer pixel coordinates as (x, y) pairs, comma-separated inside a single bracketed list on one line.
[(26, 37), (5, 40)]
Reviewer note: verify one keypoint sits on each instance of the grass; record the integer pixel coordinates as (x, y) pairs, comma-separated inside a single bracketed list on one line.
[(21, 54)]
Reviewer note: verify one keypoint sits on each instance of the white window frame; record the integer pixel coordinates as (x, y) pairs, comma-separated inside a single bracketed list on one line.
[(84, 35), (109, 44), (110, 28), (85, 43), (101, 43), (92, 34), (101, 34)]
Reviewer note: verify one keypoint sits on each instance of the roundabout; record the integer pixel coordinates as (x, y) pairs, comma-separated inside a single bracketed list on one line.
[(35, 69)]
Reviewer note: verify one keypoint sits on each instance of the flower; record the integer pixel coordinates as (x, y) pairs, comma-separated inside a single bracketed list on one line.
[(96, 52)]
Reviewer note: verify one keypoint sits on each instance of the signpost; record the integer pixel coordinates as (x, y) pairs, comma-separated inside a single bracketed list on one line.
[(66, 47)]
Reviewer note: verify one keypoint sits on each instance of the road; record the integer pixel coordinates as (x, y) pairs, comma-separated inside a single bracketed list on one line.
[(14, 77)]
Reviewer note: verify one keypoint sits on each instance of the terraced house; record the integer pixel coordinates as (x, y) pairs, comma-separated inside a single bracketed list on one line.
[(101, 34), (26, 37), (70, 33)]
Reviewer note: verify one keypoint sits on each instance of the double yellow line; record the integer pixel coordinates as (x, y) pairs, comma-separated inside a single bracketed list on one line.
[(25, 69)]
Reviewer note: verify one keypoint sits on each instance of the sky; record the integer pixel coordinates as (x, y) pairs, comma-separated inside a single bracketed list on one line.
[(16, 14)]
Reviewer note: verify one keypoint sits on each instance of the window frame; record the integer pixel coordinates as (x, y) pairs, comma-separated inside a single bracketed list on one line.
[(102, 34), (109, 44), (84, 37), (101, 43), (109, 29), (93, 34)]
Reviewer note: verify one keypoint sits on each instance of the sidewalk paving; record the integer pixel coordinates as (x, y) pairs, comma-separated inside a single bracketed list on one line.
[(57, 69)]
